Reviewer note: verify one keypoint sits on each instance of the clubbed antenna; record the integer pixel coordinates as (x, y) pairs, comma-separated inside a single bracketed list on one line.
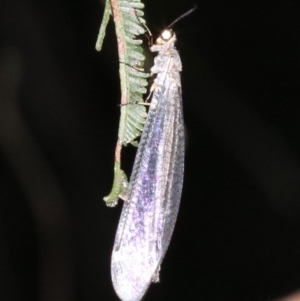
[(183, 16)]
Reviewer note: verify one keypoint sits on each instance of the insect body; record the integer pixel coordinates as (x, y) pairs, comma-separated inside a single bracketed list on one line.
[(150, 212)]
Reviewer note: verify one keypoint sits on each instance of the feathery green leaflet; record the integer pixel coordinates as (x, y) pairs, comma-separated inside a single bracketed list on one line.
[(129, 24)]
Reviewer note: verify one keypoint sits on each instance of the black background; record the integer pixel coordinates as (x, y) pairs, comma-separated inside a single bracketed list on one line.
[(237, 236)]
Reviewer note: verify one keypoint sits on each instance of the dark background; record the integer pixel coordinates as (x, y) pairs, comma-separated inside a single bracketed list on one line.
[(237, 236)]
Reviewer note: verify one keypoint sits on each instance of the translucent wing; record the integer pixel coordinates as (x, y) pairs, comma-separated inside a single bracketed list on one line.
[(148, 217)]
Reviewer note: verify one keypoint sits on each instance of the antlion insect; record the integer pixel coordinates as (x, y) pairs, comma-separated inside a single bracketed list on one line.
[(150, 212)]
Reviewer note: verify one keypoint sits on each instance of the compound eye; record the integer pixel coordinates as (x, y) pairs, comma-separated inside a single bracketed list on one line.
[(166, 35)]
